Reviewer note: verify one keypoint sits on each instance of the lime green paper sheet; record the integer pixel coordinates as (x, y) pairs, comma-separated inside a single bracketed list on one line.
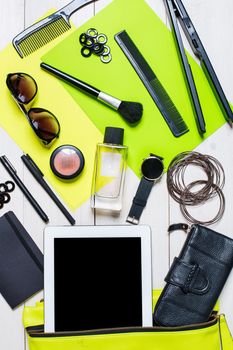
[(119, 79), (76, 128)]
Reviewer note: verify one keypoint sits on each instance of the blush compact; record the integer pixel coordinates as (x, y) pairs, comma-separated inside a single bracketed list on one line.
[(67, 162)]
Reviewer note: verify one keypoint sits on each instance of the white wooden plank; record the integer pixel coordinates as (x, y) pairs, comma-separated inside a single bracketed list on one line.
[(35, 10), (11, 20), (99, 5), (158, 8)]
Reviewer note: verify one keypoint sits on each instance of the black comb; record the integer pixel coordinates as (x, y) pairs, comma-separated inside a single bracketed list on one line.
[(152, 84), (49, 28)]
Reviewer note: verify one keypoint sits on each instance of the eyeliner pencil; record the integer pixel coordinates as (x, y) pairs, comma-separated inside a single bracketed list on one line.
[(13, 173), (39, 176)]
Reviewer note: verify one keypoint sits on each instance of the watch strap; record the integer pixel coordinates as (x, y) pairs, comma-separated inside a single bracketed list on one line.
[(155, 155), (140, 200)]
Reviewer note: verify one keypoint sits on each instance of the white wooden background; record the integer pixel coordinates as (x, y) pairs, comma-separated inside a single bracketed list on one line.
[(213, 20)]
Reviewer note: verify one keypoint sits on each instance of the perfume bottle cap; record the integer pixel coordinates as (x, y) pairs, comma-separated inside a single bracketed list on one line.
[(114, 135)]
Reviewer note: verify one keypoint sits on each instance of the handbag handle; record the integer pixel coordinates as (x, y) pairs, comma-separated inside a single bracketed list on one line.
[(180, 226)]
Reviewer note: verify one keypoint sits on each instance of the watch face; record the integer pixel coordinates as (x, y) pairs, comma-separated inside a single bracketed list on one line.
[(152, 168)]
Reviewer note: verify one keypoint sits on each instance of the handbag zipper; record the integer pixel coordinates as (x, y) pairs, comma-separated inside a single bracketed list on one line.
[(38, 331)]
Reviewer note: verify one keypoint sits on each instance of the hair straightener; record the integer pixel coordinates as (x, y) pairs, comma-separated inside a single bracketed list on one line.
[(176, 11)]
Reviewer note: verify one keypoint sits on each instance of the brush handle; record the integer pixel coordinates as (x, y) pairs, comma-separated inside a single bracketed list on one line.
[(81, 85), (74, 81), (73, 6)]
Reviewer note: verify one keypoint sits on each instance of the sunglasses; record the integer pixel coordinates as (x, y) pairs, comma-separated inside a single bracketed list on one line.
[(23, 89)]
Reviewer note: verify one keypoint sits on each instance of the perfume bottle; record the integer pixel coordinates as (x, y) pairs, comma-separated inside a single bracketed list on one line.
[(109, 171)]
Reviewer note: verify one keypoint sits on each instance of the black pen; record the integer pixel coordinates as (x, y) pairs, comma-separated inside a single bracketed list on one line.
[(13, 173), (39, 176)]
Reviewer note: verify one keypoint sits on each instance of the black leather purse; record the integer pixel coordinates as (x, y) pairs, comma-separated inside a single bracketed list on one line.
[(196, 277)]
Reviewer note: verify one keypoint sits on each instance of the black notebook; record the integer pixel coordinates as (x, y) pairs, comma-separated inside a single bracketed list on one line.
[(21, 262)]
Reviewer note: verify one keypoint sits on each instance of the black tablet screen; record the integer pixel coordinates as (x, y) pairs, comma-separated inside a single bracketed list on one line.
[(97, 283)]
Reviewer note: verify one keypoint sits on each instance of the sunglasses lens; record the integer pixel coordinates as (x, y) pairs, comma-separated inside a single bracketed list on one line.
[(22, 86), (44, 123)]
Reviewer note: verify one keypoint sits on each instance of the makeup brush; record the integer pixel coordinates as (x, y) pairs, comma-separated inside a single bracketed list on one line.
[(130, 111)]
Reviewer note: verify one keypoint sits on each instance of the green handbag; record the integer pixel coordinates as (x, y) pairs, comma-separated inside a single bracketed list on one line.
[(211, 335)]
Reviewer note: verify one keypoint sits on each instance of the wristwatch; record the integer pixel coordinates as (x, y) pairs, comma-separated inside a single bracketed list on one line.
[(152, 169)]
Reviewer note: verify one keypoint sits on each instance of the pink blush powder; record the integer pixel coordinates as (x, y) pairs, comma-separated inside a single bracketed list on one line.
[(67, 162)]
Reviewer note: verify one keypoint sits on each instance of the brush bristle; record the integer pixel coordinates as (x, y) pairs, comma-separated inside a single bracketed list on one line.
[(131, 111), (43, 35)]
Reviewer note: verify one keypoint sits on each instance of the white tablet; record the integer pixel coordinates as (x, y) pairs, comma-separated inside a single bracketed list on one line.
[(97, 277)]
